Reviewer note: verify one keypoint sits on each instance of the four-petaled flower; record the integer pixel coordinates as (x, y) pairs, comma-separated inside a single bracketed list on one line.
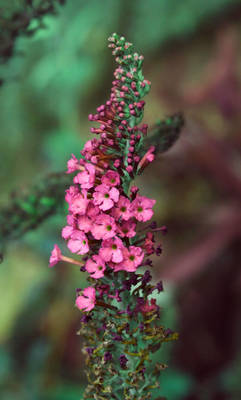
[(87, 300), (127, 228), (122, 209), (105, 196), (86, 178), (104, 227), (79, 203), (111, 178), (112, 250), (78, 243), (95, 266), (142, 208), (133, 257), (84, 223)]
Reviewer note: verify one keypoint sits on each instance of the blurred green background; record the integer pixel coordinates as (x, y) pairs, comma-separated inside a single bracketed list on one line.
[(53, 80)]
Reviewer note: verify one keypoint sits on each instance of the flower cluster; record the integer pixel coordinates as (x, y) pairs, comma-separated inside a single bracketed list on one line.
[(103, 211), (105, 227), (101, 221)]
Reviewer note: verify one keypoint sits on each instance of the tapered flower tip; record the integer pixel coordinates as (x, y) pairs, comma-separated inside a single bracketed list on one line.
[(56, 256), (123, 361), (87, 300)]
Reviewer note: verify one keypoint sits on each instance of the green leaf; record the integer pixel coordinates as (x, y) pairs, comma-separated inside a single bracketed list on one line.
[(27, 207), (47, 201)]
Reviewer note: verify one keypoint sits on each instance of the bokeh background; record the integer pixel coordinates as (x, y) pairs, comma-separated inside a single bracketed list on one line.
[(50, 83)]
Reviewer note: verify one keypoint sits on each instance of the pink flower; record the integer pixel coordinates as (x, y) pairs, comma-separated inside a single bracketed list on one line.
[(134, 189), (72, 164), (132, 259), (142, 208), (150, 157), (111, 178), (92, 210), (122, 209), (70, 219), (87, 300), (147, 158), (149, 307), (67, 231), (94, 159), (105, 197), (71, 193), (86, 178), (95, 266), (112, 250), (79, 203), (127, 228), (84, 223), (149, 243), (89, 148), (78, 243), (104, 227), (56, 256)]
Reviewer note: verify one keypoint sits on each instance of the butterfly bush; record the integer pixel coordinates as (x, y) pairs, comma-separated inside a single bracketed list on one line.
[(108, 225)]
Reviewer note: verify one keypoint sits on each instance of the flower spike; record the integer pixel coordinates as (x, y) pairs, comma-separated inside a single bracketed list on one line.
[(120, 322)]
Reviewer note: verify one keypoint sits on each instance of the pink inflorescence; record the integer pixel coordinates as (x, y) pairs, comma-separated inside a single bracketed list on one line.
[(103, 210)]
